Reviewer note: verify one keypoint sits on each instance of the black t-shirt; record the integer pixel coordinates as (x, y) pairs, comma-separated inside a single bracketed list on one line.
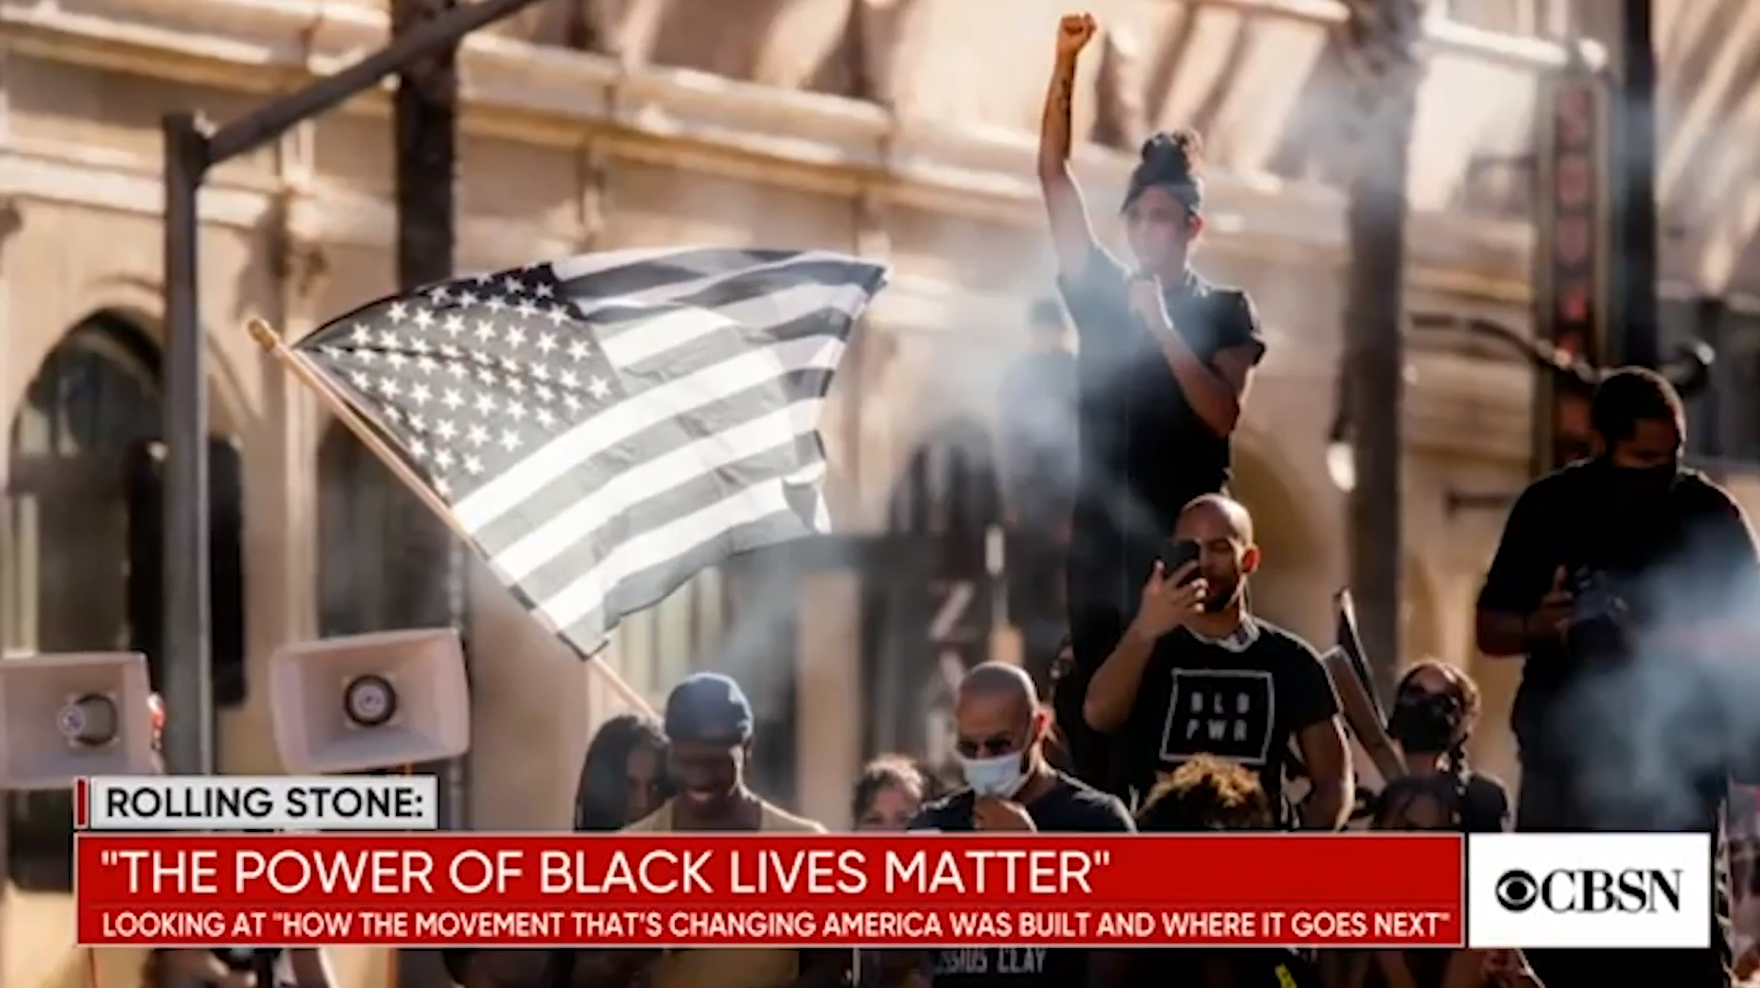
[(1240, 702), (1144, 451), (1678, 563), (1069, 807), (1484, 807)]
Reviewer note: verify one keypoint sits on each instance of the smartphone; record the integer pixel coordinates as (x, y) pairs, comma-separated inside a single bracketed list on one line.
[(1176, 553)]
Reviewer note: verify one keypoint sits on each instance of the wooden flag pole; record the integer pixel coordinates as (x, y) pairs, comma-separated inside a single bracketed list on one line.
[(312, 378)]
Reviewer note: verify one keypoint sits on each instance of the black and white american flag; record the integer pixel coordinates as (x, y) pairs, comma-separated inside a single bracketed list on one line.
[(606, 426)]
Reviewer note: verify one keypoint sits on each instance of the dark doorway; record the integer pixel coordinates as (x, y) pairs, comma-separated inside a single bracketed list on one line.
[(66, 557)]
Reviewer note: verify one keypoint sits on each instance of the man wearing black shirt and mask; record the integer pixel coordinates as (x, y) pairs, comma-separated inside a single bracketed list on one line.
[(1010, 788), (1195, 673), (1603, 565)]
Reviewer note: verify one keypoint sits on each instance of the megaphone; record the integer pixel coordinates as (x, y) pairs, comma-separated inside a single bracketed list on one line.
[(370, 701), (72, 714)]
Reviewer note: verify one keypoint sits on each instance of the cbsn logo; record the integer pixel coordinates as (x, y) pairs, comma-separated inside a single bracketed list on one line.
[(1591, 890)]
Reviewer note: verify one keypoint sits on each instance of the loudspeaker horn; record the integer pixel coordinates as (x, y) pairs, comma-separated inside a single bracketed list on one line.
[(370, 701), (71, 714)]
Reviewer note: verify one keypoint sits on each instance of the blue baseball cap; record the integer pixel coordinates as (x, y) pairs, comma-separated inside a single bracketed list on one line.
[(708, 707)]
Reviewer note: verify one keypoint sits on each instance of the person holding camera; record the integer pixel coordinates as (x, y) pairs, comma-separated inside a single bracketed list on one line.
[(1612, 575), (1197, 674), (1164, 363)]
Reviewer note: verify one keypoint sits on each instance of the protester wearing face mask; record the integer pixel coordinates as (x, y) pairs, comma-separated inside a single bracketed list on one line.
[(1432, 719), (1614, 577), (1010, 788)]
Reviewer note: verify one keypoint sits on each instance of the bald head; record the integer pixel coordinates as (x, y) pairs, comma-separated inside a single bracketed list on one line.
[(1223, 532), (997, 712), (999, 681), (1217, 510)]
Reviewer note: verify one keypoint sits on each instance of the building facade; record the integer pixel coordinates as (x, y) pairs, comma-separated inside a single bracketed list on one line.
[(874, 127)]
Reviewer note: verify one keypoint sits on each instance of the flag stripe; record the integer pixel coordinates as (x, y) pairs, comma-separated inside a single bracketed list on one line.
[(555, 575), (724, 346), (616, 274), (650, 586), (659, 284), (587, 592), (626, 458), (626, 418), (654, 477), (618, 316), (679, 328)]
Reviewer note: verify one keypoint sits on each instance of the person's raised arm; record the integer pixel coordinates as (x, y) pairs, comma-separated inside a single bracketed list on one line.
[(1071, 234)]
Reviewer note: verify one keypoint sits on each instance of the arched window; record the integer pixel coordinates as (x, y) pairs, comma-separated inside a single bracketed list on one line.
[(64, 564)]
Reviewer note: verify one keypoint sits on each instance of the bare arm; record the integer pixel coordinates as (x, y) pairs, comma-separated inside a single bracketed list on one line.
[(1071, 234), (1328, 804), (1217, 391), (1517, 610), (1113, 690)]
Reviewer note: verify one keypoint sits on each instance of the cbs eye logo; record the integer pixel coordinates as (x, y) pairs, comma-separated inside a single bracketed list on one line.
[(1517, 891)]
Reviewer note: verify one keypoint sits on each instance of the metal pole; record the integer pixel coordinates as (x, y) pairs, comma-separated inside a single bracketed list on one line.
[(438, 34), (1386, 36), (425, 122), (189, 685), (191, 150), (1639, 338)]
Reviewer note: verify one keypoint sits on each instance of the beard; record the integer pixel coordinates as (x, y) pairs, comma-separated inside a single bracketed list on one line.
[(1221, 595)]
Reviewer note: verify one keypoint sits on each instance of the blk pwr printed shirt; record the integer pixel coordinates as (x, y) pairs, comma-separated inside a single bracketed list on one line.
[(1242, 699)]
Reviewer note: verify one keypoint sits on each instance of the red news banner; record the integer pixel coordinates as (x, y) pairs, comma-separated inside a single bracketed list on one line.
[(680, 890)]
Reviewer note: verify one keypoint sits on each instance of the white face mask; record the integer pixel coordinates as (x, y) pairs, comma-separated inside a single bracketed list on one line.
[(1000, 777)]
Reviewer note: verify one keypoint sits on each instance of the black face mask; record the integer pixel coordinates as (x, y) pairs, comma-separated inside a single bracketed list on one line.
[(1641, 486), (1424, 722)]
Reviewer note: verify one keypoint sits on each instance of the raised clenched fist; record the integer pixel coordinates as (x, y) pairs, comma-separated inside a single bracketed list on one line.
[(1074, 32)]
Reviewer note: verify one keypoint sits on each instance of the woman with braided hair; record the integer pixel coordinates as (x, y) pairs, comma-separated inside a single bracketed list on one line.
[(1433, 715)]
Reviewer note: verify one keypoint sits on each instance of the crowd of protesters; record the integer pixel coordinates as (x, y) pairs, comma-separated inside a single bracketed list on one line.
[(1154, 698)]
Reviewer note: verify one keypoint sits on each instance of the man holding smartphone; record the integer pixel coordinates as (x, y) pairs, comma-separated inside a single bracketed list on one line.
[(1196, 674)]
